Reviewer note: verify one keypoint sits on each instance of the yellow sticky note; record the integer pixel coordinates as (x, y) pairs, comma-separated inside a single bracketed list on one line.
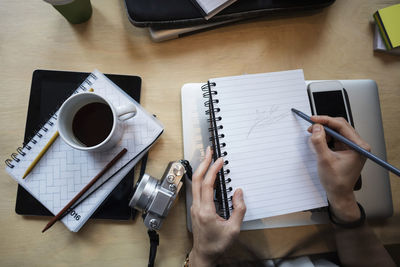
[(390, 18)]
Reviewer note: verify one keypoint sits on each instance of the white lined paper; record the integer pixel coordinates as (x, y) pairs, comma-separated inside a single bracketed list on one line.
[(268, 148)]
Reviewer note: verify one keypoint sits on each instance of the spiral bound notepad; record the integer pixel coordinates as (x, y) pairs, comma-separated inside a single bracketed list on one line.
[(63, 171), (266, 149)]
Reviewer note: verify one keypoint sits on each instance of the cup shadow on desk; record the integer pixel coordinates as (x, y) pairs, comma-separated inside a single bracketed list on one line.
[(83, 29)]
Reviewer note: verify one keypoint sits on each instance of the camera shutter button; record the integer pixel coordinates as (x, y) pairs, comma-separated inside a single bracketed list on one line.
[(178, 170)]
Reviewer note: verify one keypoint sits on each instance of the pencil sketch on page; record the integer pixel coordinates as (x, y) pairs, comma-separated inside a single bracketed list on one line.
[(265, 117)]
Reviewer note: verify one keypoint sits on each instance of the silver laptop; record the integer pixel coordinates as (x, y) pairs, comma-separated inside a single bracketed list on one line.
[(160, 35), (374, 195)]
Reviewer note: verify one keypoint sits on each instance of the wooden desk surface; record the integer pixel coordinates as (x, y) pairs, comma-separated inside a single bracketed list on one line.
[(333, 44)]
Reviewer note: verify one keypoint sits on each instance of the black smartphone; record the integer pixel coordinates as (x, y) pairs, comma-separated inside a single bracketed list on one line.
[(330, 98)]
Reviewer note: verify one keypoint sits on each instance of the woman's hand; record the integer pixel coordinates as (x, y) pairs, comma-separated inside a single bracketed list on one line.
[(212, 235), (339, 168)]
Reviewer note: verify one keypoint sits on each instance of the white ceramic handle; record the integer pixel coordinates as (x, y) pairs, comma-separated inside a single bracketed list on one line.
[(126, 112)]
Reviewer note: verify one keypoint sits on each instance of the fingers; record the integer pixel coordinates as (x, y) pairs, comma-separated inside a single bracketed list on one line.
[(239, 209), (207, 187), (341, 126), (328, 138), (318, 139), (198, 175)]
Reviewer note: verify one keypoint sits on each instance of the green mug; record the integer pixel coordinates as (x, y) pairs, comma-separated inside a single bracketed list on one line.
[(75, 11)]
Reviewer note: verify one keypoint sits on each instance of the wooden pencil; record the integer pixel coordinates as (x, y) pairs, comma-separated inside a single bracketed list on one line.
[(85, 189), (40, 155)]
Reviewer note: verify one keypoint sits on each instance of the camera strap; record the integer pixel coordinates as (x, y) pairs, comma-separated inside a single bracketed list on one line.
[(153, 235), (154, 241)]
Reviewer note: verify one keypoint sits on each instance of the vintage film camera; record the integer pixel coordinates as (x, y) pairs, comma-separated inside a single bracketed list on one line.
[(155, 197)]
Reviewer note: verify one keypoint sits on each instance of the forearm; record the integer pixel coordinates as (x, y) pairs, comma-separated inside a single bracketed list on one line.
[(196, 260), (360, 247)]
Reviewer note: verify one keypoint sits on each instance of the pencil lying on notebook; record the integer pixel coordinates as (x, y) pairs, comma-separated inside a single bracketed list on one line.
[(44, 150), (351, 144), (40, 155), (85, 189)]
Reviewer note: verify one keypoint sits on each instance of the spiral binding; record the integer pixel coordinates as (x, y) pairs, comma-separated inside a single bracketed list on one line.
[(44, 128), (222, 185)]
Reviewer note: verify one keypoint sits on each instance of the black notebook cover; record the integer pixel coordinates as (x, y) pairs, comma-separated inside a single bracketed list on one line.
[(181, 13), (49, 89)]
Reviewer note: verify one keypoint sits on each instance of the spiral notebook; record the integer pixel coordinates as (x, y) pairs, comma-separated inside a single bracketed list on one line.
[(62, 172), (266, 149)]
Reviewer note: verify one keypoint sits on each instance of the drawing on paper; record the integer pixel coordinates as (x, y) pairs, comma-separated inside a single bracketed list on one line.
[(267, 117)]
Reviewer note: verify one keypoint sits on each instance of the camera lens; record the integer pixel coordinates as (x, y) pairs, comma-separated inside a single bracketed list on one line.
[(145, 191)]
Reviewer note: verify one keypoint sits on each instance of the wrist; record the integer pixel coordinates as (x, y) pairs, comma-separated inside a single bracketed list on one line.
[(345, 224), (344, 208), (196, 259)]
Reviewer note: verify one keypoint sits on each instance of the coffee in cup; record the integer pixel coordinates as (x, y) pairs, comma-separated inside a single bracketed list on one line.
[(87, 121)]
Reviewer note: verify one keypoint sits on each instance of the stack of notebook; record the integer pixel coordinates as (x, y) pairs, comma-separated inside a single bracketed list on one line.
[(179, 18), (210, 8), (387, 29), (63, 171)]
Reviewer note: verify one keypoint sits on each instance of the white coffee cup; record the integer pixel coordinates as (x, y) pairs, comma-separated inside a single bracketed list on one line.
[(78, 104)]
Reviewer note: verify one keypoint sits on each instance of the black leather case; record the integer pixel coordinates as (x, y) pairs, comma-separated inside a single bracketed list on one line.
[(180, 13)]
